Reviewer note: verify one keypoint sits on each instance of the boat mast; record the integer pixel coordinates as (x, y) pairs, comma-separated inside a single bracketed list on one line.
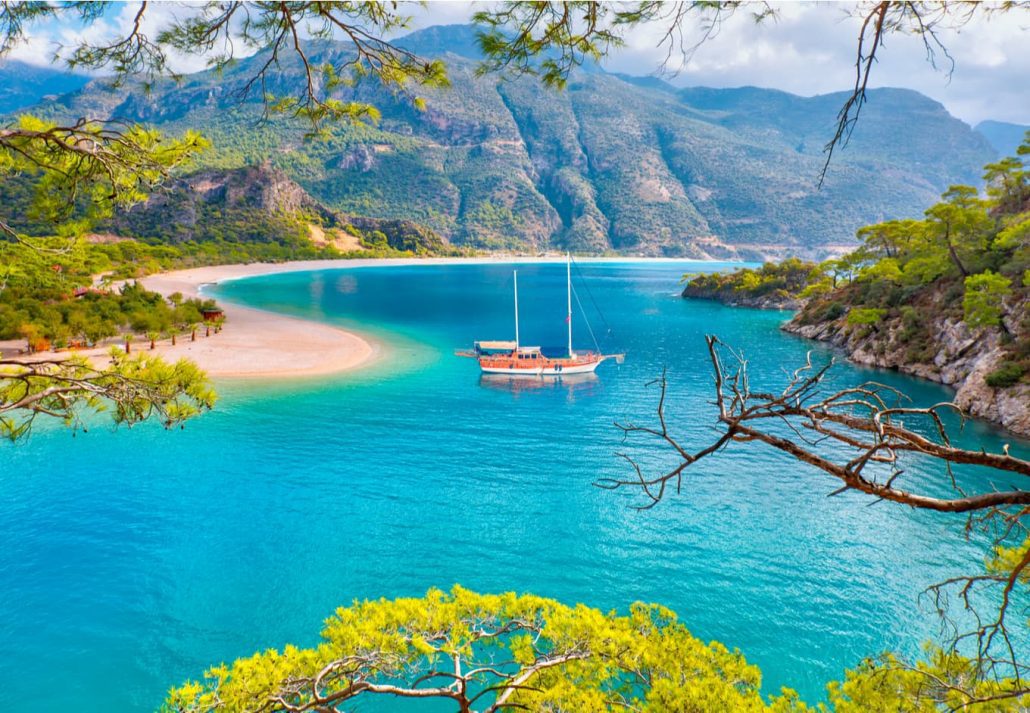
[(568, 282), (515, 279)]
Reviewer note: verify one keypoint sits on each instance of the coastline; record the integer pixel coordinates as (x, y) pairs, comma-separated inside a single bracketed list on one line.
[(259, 344), (962, 358), (254, 343)]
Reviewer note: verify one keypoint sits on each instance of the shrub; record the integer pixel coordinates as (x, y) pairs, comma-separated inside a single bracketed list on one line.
[(982, 301), (865, 316), (1007, 374), (834, 310)]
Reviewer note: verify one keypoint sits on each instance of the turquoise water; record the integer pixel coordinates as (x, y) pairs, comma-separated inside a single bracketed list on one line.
[(132, 560)]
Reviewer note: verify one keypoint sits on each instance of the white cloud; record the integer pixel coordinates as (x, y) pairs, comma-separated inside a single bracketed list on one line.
[(810, 49)]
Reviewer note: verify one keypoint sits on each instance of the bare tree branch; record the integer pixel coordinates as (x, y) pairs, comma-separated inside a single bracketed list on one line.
[(860, 436)]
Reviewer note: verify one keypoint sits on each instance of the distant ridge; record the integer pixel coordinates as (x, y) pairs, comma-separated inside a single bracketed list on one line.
[(23, 85), (1004, 137), (440, 39)]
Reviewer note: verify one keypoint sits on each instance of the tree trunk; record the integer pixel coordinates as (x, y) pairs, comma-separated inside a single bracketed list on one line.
[(173, 340), (128, 347), (954, 253)]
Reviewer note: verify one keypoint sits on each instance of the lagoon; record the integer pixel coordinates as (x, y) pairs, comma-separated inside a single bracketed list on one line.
[(131, 560)]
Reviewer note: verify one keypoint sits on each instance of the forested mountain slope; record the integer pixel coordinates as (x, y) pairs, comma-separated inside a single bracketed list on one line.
[(255, 208), (606, 165)]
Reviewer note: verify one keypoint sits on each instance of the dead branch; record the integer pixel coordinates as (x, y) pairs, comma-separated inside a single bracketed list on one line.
[(861, 436)]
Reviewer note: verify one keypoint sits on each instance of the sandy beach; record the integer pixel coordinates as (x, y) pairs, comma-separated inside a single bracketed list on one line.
[(255, 343), (259, 344)]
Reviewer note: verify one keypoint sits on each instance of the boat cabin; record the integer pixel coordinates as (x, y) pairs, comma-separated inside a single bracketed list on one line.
[(495, 347), (508, 349)]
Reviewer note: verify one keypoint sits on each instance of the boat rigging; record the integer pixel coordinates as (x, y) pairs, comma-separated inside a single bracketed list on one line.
[(511, 357)]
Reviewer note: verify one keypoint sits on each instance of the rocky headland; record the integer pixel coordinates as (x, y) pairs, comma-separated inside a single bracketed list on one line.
[(933, 342)]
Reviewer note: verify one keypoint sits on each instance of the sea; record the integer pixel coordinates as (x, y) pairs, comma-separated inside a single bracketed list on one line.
[(132, 560)]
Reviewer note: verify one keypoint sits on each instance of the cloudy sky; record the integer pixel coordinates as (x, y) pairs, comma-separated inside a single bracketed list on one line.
[(808, 49)]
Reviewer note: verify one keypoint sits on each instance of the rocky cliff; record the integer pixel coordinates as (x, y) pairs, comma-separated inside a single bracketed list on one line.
[(934, 343), (261, 204)]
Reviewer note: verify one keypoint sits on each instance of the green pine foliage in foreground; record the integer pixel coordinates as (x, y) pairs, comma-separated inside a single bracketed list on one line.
[(131, 389), (491, 653), (967, 258)]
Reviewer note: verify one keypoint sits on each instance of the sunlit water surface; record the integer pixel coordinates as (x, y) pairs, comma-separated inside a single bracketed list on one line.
[(132, 560)]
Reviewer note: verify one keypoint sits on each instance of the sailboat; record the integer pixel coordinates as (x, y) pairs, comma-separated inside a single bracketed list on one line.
[(511, 357)]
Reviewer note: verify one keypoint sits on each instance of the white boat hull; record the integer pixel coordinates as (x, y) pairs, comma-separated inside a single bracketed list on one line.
[(546, 371)]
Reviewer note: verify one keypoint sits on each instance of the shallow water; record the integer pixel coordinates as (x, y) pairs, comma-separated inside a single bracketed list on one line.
[(132, 560)]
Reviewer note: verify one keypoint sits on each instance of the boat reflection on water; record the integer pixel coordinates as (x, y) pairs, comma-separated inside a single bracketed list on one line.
[(574, 384)]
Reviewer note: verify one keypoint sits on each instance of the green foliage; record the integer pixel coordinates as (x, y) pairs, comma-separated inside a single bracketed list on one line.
[(865, 316), (130, 389), (559, 658), (50, 297), (969, 252), (375, 239), (820, 287), (85, 170), (983, 297), (886, 270), (1015, 235), (1007, 374), (961, 226), (1008, 180), (944, 681), (789, 279), (925, 269), (834, 310)]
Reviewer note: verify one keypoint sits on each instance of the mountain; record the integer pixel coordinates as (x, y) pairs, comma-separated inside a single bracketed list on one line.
[(23, 85), (225, 209), (260, 204), (607, 165), (1004, 137)]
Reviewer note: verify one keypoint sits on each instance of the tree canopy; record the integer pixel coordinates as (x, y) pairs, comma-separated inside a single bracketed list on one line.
[(489, 653), (462, 651)]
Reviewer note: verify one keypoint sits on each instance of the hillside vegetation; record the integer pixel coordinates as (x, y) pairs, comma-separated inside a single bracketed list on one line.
[(238, 215), (782, 285), (52, 298), (609, 164)]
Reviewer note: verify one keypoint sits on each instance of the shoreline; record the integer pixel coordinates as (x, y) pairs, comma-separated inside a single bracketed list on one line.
[(256, 343), (260, 344)]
